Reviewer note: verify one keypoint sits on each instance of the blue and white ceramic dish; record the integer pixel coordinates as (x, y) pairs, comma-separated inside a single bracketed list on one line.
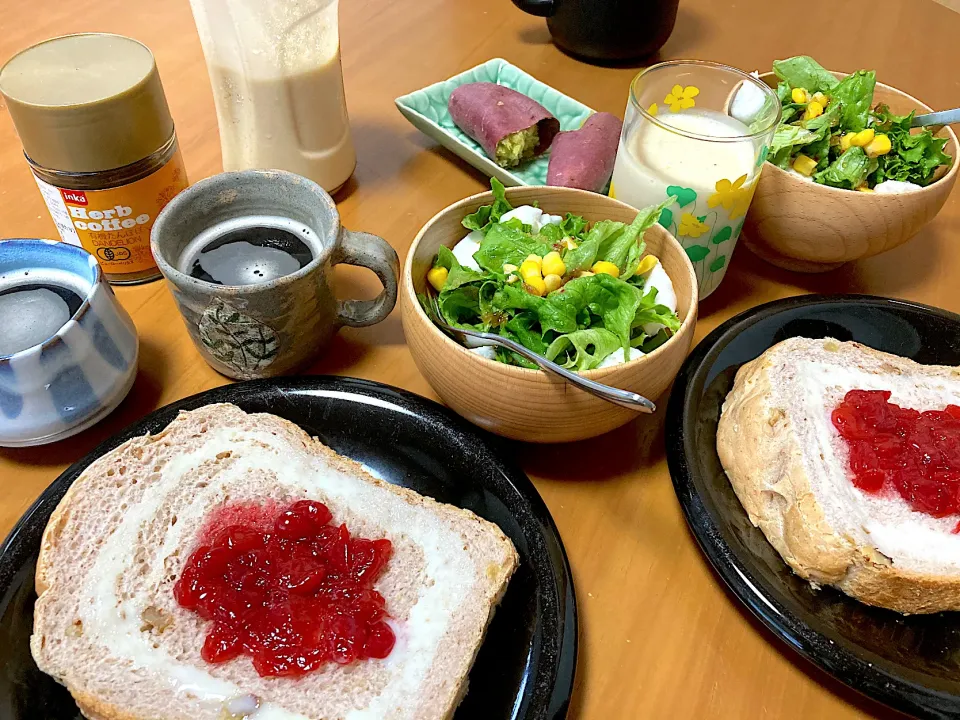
[(78, 375)]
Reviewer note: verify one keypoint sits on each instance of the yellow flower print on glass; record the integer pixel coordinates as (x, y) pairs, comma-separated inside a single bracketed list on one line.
[(742, 204), (681, 98), (690, 226), (726, 192), (653, 109), (734, 197)]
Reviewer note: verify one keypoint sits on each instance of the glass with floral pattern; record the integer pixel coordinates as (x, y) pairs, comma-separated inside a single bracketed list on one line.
[(700, 132)]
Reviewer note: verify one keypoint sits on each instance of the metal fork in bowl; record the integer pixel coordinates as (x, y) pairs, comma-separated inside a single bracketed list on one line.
[(936, 120), (472, 338)]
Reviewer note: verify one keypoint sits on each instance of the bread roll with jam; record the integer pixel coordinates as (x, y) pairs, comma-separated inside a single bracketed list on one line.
[(892, 544)]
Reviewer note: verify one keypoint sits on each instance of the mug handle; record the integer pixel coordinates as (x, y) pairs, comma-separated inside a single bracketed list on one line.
[(372, 252), (540, 8)]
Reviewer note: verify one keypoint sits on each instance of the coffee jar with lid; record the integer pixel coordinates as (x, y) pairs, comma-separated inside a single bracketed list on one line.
[(98, 135)]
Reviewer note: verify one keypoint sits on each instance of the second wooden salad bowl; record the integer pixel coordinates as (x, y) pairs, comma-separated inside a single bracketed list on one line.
[(806, 227), (529, 404)]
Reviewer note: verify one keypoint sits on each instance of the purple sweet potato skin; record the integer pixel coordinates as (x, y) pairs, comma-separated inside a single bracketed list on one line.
[(488, 112), (584, 158)]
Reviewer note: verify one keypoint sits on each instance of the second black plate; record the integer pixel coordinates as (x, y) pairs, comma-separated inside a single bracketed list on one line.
[(910, 663), (526, 665)]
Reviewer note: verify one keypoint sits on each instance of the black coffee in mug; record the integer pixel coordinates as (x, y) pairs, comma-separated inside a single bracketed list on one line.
[(248, 251), (609, 30)]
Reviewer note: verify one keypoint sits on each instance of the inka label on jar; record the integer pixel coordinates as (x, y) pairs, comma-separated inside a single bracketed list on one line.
[(114, 225), (98, 135)]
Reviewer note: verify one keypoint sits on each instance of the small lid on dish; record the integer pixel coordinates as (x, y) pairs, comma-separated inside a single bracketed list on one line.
[(87, 102)]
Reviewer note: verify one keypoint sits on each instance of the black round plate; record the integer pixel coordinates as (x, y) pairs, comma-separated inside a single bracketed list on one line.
[(910, 663), (526, 665)]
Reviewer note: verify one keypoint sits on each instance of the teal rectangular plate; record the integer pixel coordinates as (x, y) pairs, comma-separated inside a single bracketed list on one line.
[(427, 110)]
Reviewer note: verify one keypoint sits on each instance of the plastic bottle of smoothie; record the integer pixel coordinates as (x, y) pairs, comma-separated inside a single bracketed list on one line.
[(278, 86)]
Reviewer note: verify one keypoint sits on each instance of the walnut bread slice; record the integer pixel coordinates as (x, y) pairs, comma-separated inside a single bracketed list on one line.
[(790, 468), (107, 626)]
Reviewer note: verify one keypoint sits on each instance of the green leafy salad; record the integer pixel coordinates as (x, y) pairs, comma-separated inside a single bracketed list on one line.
[(572, 292), (831, 132)]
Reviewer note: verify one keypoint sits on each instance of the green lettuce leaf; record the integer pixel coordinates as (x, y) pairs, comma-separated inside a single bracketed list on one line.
[(583, 256), (508, 357), (507, 243), (614, 301), (551, 234), (650, 311), (629, 244), (788, 108), (461, 306), (788, 137), (855, 93), (847, 171), (824, 122), (782, 158), (522, 327), (819, 150), (487, 214), (561, 314), (583, 349), (790, 112), (816, 145), (554, 312), (512, 297), (427, 307), (492, 318), (573, 225), (915, 156), (636, 250), (805, 72), (648, 344)]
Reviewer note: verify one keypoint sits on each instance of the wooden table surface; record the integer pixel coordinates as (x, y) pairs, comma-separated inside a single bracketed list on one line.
[(659, 634)]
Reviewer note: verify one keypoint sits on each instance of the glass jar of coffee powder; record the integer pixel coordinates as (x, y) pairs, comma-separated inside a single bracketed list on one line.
[(96, 130)]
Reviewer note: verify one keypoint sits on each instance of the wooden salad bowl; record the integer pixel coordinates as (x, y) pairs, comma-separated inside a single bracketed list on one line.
[(806, 227), (529, 404)]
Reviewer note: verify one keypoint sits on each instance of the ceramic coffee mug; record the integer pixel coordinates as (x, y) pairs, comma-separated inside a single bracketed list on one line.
[(606, 30), (75, 358), (272, 327)]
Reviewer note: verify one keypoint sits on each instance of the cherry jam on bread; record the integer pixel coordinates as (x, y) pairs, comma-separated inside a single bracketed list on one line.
[(916, 454), (286, 587)]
